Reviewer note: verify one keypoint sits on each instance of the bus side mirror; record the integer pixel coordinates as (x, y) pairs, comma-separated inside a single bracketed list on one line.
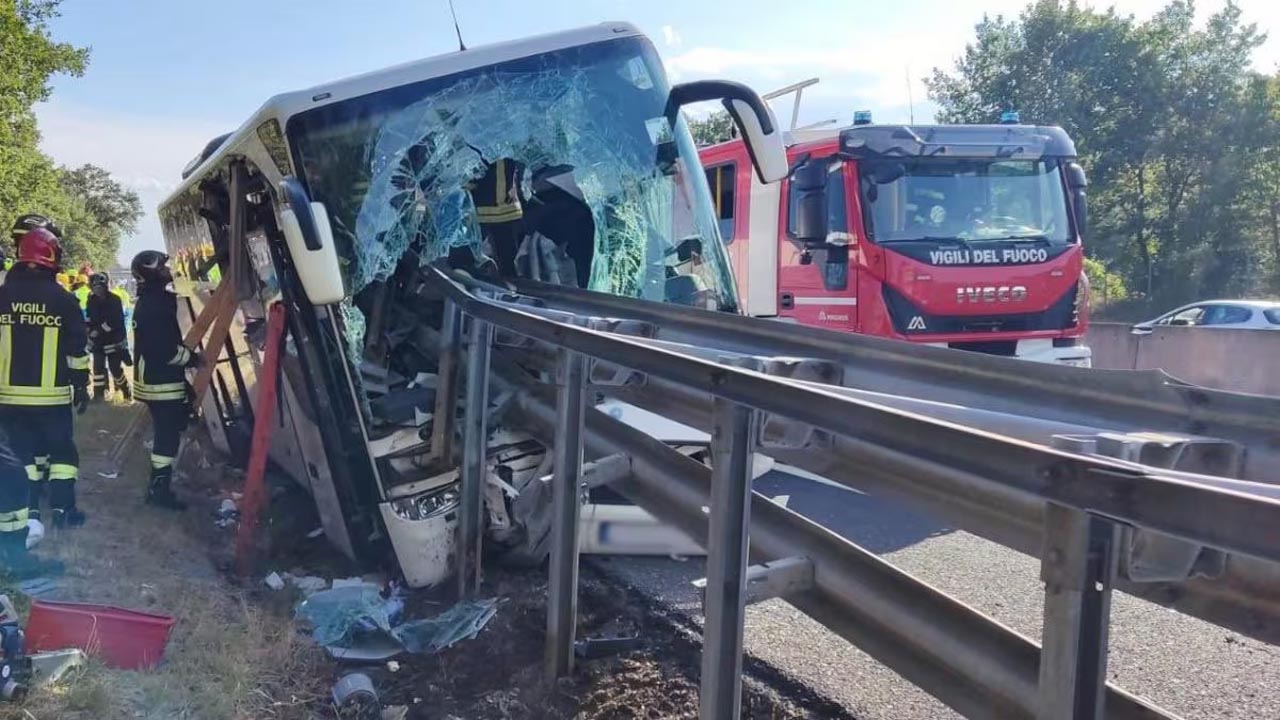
[(309, 237), (756, 123), (809, 190), (1079, 185)]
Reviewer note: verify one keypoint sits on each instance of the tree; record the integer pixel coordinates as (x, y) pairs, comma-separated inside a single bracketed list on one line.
[(1178, 134), (28, 58), (714, 128), (92, 209)]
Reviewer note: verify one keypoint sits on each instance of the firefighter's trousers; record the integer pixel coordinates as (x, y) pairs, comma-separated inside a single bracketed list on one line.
[(43, 436), (168, 420), (102, 360), (13, 502)]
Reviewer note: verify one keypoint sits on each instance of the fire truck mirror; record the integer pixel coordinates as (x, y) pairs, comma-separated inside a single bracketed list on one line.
[(809, 190)]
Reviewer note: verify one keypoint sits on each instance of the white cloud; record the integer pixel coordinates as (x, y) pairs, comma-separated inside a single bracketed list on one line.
[(672, 36), (145, 154)]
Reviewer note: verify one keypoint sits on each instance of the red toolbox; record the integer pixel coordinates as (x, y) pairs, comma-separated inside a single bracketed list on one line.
[(124, 639)]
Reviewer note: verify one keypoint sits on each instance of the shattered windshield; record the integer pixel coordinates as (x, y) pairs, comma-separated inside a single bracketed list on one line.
[(559, 167), (968, 199)]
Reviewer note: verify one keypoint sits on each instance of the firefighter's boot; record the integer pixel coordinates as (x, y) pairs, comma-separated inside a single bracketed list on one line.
[(64, 513), (122, 387), (71, 517), (160, 494), (36, 491), (19, 563)]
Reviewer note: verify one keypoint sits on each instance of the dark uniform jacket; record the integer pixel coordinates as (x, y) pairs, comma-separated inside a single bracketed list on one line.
[(43, 343), (158, 340), (106, 322)]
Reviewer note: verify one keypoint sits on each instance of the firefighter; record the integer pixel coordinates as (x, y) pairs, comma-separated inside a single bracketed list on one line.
[(160, 380), (44, 371), (107, 338), (499, 208)]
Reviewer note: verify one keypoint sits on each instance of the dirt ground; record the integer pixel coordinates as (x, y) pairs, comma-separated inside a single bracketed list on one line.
[(236, 654)]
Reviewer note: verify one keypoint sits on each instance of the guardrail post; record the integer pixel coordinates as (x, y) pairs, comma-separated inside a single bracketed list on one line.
[(731, 448), (1078, 567), (474, 458), (446, 383), (562, 587)]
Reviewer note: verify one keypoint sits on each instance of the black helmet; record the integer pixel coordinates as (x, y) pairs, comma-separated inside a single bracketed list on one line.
[(149, 266), (97, 279), (31, 221)]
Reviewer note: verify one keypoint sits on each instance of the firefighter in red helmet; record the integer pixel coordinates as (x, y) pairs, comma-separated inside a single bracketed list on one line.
[(44, 372)]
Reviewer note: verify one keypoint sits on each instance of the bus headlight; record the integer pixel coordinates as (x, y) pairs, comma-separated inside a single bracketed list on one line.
[(427, 505)]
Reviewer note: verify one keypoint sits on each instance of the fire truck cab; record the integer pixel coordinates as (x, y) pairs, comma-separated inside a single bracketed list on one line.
[(966, 236)]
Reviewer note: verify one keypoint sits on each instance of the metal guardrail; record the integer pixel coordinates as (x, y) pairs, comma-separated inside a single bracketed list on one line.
[(1241, 593), (1087, 504)]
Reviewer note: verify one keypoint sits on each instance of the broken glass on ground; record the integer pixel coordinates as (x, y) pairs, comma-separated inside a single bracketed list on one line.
[(461, 622), (344, 616)]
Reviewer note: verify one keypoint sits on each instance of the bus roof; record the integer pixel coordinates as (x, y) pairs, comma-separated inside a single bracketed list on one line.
[(285, 105)]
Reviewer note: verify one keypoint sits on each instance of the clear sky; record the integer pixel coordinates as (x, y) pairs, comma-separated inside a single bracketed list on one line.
[(166, 76)]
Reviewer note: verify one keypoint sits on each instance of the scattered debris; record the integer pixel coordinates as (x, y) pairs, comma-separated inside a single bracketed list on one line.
[(108, 474), (307, 584), (393, 666), (349, 582), (48, 668), (395, 712), (315, 533), (598, 647), (38, 587), (274, 581), (355, 698), (228, 514), (461, 622)]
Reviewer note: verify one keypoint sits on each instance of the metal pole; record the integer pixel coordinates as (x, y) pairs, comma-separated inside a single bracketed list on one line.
[(1078, 568), (731, 447), (475, 448), (446, 384), (562, 588)]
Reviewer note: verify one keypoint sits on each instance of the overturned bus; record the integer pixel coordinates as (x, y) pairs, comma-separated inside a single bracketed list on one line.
[(561, 158)]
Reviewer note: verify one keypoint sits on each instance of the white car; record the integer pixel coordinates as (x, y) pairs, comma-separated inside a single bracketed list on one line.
[(1233, 314)]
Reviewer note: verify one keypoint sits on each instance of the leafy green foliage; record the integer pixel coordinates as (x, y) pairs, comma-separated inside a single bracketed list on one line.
[(1179, 135), (93, 210), (714, 128)]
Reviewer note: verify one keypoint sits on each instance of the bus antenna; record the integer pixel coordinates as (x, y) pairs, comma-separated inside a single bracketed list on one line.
[(461, 46), (911, 102)]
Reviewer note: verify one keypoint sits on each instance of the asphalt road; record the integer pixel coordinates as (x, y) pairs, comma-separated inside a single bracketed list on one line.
[(1189, 667)]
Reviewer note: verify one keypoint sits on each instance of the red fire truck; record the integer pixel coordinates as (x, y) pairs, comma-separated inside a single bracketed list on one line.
[(967, 236)]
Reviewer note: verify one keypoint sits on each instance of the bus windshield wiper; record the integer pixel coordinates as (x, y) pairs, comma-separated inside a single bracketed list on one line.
[(931, 238), (1026, 238)]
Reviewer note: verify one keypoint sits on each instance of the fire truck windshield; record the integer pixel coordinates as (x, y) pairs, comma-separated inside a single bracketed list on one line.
[(965, 199), (559, 166)]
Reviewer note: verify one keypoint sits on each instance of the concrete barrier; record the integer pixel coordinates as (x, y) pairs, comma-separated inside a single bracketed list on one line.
[(1237, 360)]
